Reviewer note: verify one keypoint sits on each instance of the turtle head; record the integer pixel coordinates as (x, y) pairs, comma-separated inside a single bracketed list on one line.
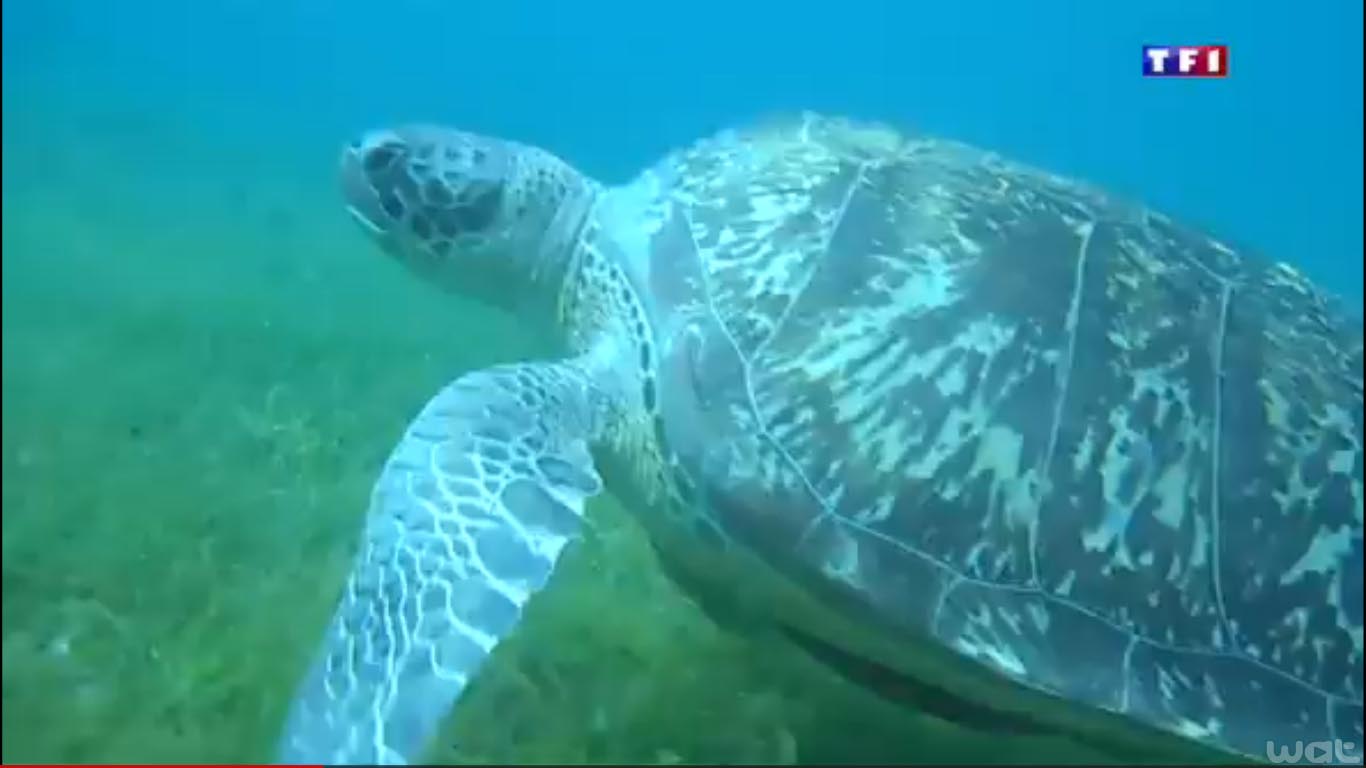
[(486, 218)]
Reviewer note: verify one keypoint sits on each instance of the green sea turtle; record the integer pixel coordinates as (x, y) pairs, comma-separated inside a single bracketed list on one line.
[(974, 423)]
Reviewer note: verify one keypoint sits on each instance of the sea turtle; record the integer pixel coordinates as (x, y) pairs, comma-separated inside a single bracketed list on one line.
[(910, 401)]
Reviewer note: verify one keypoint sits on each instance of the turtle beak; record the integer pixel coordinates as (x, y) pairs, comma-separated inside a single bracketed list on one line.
[(360, 162)]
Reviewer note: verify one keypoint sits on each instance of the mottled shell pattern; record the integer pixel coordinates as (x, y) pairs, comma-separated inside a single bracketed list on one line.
[(1093, 449)]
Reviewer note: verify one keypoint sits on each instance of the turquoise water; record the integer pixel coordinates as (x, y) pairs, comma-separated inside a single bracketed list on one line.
[(204, 363)]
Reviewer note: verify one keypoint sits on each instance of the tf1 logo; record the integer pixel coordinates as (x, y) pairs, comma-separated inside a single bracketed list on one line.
[(1185, 61)]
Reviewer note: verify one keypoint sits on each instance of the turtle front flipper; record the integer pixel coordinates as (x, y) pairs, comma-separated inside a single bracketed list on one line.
[(466, 522)]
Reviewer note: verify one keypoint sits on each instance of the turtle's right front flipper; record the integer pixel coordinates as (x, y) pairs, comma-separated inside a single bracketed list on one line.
[(466, 522)]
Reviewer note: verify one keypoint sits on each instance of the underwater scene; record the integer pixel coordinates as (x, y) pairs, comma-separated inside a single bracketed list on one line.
[(748, 382)]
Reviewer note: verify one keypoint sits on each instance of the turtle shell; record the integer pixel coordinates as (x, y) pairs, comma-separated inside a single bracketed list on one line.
[(1053, 433)]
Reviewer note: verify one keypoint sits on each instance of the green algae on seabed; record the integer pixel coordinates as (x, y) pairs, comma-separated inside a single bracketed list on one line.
[(192, 418)]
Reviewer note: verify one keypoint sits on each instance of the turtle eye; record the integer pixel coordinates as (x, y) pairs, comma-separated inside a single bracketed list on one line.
[(435, 192), (480, 207), (472, 210)]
